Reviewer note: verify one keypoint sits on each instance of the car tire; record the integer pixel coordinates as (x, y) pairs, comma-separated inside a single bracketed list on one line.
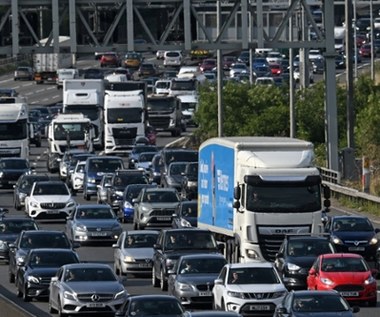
[(372, 303), (25, 296), (17, 205), (60, 314), (116, 269), (155, 281), (18, 293), (86, 196), (11, 277), (163, 282), (51, 309)]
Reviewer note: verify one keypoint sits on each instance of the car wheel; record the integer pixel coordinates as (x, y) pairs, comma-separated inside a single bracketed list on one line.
[(134, 225), (17, 205), (163, 282), (155, 281), (223, 305), (116, 269), (214, 306), (25, 296), (51, 309), (86, 196), (18, 293), (60, 314), (372, 303), (11, 277)]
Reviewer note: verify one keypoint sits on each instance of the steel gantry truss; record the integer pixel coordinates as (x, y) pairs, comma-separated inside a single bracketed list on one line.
[(150, 25)]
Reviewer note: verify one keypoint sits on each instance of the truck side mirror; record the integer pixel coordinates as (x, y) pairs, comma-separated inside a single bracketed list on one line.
[(326, 192), (237, 192)]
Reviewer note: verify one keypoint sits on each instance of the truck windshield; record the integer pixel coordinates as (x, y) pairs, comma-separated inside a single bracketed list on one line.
[(278, 199), (122, 115), (76, 131), (189, 105), (183, 85), (90, 111), (161, 105), (13, 131)]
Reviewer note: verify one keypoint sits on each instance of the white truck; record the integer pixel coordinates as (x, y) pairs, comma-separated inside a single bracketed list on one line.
[(125, 116), (252, 191), (65, 74), (68, 131), (14, 137), (46, 65), (340, 38), (86, 96)]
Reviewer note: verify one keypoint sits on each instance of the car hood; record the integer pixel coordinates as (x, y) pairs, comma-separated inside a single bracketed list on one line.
[(98, 223), (346, 277), (197, 278), (94, 287), (139, 253), (352, 235), (11, 237), (160, 205), (324, 314), (302, 261), (52, 198), (43, 271), (253, 288)]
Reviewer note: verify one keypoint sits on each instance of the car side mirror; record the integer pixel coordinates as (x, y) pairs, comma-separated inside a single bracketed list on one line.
[(377, 230), (374, 272), (218, 281), (54, 279), (279, 255), (157, 246), (282, 311), (312, 272)]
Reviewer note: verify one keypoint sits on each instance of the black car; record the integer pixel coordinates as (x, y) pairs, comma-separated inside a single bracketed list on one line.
[(140, 148), (296, 256), (186, 214), (174, 176), (33, 277), (93, 73), (315, 303), (172, 244), (120, 180), (154, 170), (10, 228), (23, 187), (11, 169), (189, 187), (35, 239), (353, 234), (126, 208)]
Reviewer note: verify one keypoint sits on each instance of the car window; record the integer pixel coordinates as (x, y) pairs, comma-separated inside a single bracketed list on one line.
[(50, 189), (89, 275), (254, 275)]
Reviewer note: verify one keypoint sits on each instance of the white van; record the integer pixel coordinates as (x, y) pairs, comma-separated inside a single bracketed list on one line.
[(66, 73), (172, 58), (162, 86), (116, 78)]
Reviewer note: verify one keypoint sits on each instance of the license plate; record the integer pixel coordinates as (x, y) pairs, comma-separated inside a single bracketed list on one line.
[(95, 305), (356, 249), (259, 307), (164, 218), (99, 234), (205, 294), (145, 265), (350, 294), (53, 211)]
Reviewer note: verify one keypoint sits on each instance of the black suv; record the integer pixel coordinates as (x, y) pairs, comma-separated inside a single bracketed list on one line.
[(119, 181), (10, 228), (11, 169), (189, 188), (354, 234), (296, 256), (35, 239), (172, 244)]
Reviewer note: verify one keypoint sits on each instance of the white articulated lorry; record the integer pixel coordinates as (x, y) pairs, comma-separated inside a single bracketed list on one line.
[(252, 191), (86, 96), (68, 131), (14, 138), (124, 116)]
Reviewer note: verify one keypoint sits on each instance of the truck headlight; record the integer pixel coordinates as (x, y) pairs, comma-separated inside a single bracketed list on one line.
[(252, 254)]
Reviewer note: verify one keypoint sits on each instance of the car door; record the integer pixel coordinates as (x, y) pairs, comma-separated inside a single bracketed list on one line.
[(117, 251), (158, 254), (69, 225), (280, 258), (313, 276), (54, 287), (218, 289)]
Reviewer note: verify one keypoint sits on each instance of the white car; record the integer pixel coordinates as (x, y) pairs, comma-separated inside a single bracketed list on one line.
[(49, 199), (172, 58), (253, 288), (133, 252), (274, 57), (237, 69), (76, 177)]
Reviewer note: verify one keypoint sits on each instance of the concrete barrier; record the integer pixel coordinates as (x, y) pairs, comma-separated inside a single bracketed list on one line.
[(9, 308)]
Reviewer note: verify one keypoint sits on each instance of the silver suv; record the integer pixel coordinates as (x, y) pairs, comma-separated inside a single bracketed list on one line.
[(154, 207), (24, 72)]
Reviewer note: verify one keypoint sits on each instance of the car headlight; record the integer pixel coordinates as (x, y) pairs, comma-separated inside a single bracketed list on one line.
[(370, 280), (279, 294), (192, 184), (3, 245), (326, 281), (144, 209), (127, 204), (1, 174), (119, 193), (79, 227), (20, 260), (292, 267), (336, 240), (120, 294), (374, 240), (78, 178), (91, 180), (70, 204), (34, 204), (185, 223), (183, 286), (22, 195), (129, 258), (33, 279), (236, 294), (156, 174), (170, 263), (69, 295)]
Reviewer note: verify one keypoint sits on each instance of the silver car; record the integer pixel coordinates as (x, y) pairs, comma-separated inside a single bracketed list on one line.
[(133, 252), (192, 279), (93, 223), (85, 288)]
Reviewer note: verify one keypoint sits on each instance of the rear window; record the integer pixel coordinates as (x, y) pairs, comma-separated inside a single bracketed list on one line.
[(172, 54)]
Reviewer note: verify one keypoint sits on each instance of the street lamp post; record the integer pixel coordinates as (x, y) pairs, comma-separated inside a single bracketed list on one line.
[(355, 44)]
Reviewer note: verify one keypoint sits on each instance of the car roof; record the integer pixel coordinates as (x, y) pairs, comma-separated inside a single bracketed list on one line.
[(306, 237), (213, 313), (160, 189), (142, 232), (348, 217), (203, 256), (93, 206), (86, 265), (315, 292), (258, 264), (41, 232), (55, 250), (153, 296), (340, 255)]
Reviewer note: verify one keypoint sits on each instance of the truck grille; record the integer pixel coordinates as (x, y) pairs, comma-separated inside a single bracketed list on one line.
[(159, 122), (53, 205)]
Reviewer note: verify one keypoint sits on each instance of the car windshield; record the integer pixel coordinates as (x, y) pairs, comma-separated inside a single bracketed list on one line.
[(51, 240), (133, 178), (344, 264), (50, 189), (140, 240), (89, 275), (95, 213), (28, 182), (155, 307), (146, 157), (202, 266), (253, 275), (190, 240), (189, 210), (14, 164), (309, 248), (320, 303), (52, 259), (177, 168), (15, 227), (160, 197), (352, 224), (105, 165)]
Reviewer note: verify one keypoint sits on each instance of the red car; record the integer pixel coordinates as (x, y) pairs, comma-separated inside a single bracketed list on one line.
[(208, 64), (365, 50), (276, 69), (347, 273), (110, 59)]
